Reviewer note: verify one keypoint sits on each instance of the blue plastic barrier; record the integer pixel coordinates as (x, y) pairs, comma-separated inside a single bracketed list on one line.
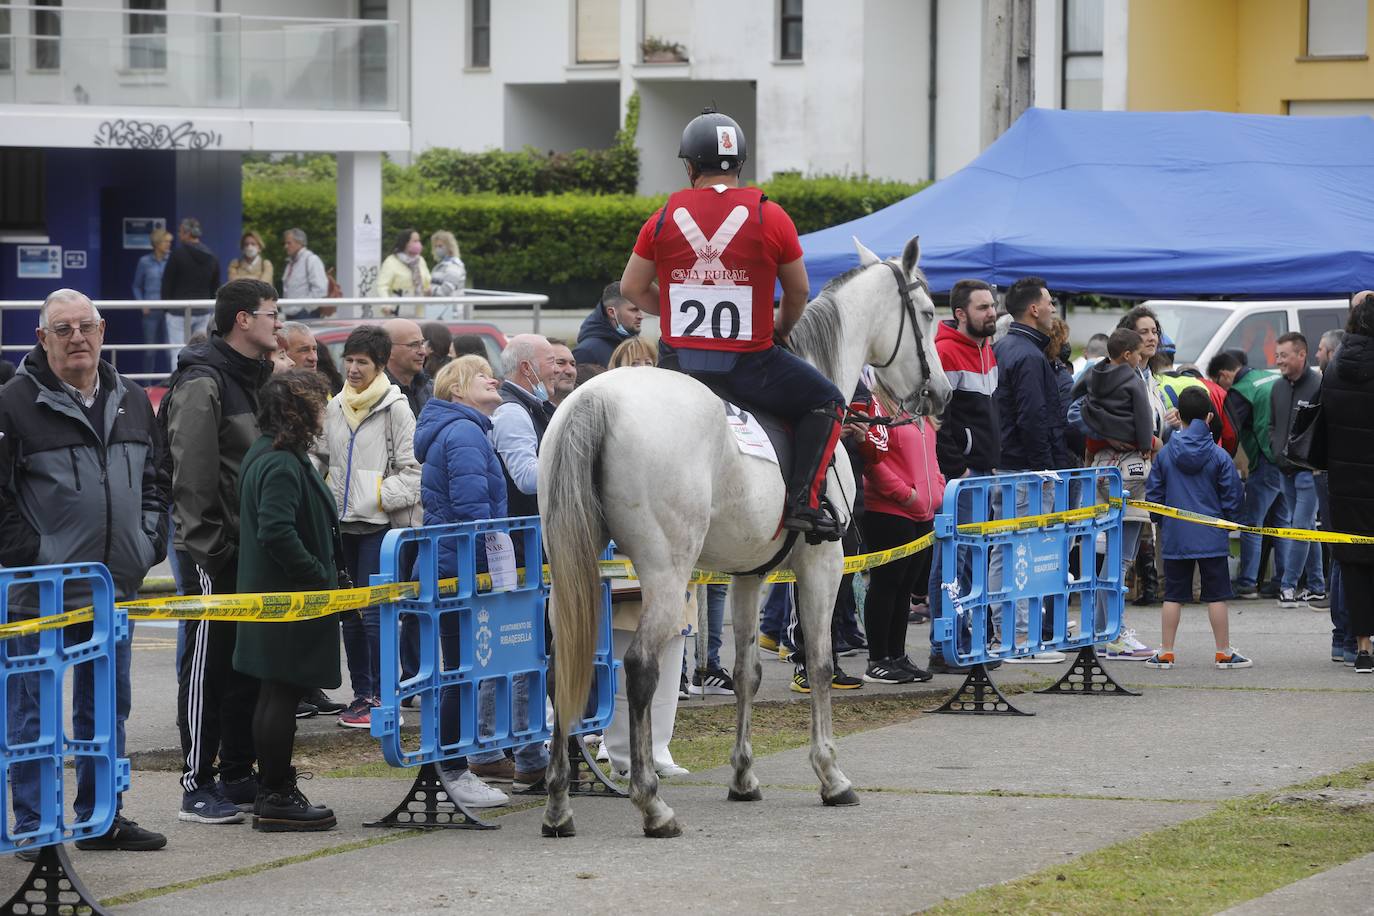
[(500, 637), (48, 657), (979, 625)]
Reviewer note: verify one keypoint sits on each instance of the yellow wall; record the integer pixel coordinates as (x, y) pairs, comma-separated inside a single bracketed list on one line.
[(1272, 39), (1232, 55), (1181, 55)]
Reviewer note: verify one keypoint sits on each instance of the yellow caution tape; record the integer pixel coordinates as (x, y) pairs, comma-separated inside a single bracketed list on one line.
[(293, 606), (1293, 534)]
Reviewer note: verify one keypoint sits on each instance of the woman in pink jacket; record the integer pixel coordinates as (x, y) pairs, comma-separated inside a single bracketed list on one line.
[(902, 493)]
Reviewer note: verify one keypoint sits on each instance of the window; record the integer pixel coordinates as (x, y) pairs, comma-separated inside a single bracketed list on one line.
[(6, 42), (1082, 87), (790, 30), (147, 48), (1258, 335), (479, 55), (23, 206), (598, 31), (47, 37), (1337, 28), (372, 53), (1315, 322)]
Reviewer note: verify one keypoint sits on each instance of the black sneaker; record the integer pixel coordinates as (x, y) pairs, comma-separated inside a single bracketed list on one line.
[(241, 793), (287, 809), (323, 704), (936, 664), (841, 681), (800, 684), (26, 850), (306, 710), (887, 671), (850, 645), (715, 683), (682, 693), (126, 835), (1364, 663), (906, 662), (1245, 592)]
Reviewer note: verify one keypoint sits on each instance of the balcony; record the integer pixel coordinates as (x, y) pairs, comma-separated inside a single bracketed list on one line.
[(108, 58)]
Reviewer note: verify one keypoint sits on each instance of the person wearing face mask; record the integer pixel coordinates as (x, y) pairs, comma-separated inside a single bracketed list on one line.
[(614, 320), (404, 274), (252, 265), (530, 367), (450, 277)]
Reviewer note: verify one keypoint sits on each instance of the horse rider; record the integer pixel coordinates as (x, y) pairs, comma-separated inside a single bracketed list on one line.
[(715, 250)]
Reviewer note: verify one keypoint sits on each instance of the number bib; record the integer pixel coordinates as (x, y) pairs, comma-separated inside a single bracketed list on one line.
[(711, 312)]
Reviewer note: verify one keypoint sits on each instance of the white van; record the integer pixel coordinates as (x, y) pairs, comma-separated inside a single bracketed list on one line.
[(1201, 330)]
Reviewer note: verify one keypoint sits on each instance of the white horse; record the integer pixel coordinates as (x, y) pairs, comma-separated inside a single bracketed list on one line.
[(643, 456)]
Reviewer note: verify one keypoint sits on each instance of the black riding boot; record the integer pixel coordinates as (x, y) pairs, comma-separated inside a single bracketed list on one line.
[(814, 440), (1147, 576)]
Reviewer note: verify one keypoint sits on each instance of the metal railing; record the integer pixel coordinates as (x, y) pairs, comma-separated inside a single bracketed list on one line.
[(427, 308)]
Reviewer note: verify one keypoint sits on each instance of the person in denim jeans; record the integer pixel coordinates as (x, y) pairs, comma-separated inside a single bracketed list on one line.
[(1298, 387), (69, 421)]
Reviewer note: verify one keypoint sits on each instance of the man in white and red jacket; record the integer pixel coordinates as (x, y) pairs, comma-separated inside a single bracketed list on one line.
[(969, 443)]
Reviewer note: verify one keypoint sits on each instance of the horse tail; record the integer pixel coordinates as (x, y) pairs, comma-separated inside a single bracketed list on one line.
[(574, 536)]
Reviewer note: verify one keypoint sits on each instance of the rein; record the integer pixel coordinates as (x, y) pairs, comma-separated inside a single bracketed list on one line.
[(908, 309)]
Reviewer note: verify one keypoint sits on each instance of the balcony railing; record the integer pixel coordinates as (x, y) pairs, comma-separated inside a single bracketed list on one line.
[(75, 56)]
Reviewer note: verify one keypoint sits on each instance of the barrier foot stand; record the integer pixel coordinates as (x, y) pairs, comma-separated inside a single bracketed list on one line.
[(1087, 677), (53, 887), (979, 696), (587, 779), (428, 806)]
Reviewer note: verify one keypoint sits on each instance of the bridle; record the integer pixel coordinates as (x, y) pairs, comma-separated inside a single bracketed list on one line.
[(909, 309)]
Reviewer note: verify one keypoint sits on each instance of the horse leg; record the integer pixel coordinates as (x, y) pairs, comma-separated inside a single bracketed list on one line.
[(558, 820), (664, 597), (744, 603), (816, 590)]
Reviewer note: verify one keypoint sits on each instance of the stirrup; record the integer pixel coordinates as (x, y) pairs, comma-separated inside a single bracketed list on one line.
[(817, 525)]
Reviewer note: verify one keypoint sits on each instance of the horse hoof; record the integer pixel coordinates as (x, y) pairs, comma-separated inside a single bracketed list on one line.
[(558, 830), (845, 799), (754, 794), (664, 831)]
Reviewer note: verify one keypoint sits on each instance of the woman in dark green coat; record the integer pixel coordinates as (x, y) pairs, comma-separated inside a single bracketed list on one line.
[(288, 532)]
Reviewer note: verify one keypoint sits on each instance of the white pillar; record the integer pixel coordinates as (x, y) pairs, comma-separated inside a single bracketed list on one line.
[(359, 223)]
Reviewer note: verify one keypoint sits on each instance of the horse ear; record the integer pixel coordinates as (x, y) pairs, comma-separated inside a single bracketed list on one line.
[(866, 257), (911, 255)]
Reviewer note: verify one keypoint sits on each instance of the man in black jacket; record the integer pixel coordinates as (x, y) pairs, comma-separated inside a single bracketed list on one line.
[(614, 320), (1299, 386), (211, 417), (80, 481), (1032, 419), (192, 272)]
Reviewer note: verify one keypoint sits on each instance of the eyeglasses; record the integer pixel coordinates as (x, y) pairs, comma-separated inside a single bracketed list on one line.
[(64, 331), (272, 315), (416, 345)]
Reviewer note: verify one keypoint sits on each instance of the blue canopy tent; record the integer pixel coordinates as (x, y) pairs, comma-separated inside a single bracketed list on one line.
[(1142, 204)]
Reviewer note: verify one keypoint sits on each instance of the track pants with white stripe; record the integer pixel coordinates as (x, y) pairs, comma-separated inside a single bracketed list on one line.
[(214, 702)]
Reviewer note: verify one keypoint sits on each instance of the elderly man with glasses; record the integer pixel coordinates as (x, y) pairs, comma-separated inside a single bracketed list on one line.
[(406, 367), (69, 420)]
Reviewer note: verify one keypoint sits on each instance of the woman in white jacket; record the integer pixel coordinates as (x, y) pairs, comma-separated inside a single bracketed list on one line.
[(368, 448)]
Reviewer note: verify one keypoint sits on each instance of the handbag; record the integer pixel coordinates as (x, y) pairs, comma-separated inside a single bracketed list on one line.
[(1306, 446), (412, 516)]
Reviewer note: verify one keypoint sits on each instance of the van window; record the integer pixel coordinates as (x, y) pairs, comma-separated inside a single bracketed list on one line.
[(1190, 326), (1313, 323), (1258, 335)]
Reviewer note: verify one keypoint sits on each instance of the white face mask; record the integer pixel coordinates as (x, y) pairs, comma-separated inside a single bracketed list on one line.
[(440, 252), (250, 251)]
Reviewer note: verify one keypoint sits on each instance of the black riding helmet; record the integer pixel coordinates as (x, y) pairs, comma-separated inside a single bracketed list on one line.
[(713, 142)]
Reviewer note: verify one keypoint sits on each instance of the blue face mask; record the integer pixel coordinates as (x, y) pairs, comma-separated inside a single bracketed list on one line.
[(541, 391), (620, 329)]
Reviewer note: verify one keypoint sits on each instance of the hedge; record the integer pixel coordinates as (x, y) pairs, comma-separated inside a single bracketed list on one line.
[(529, 242)]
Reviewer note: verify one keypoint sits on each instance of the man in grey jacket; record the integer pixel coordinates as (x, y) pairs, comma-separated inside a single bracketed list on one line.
[(79, 482), (1298, 386)]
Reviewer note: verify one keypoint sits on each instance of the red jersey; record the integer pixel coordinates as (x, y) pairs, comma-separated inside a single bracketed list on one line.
[(717, 251)]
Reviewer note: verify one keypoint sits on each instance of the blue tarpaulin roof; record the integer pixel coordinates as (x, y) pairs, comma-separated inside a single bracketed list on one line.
[(1136, 203)]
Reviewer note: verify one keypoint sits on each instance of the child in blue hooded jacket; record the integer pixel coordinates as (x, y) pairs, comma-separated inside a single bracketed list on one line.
[(1193, 473)]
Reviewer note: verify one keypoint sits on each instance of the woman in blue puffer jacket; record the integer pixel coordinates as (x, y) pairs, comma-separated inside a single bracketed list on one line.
[(460, 481)]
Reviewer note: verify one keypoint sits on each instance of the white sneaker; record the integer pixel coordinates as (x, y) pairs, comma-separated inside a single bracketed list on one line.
[(603, 753), (1039, 658), (669, 770), (471, 792)]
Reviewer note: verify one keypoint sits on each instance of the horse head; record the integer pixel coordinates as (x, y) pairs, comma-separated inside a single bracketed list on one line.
[(902, 338)]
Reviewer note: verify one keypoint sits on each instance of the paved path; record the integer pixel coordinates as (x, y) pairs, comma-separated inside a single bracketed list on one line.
[(950, 803)]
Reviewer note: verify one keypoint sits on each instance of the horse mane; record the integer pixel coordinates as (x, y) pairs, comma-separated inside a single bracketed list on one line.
[(816, 335)]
